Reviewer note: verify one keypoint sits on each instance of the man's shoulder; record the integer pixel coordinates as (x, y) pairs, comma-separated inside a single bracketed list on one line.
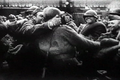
[(99, 24), (65, 27)]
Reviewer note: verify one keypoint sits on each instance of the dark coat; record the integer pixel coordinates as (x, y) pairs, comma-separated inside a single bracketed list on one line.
[(60, 45), (94, 30), (23, 52)]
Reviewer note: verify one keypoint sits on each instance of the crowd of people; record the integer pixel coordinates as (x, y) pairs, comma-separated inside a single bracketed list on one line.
[(49, 38)]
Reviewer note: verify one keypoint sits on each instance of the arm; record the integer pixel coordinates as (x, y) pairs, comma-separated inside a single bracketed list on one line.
[(79, 40), (107, 51), (30, 29), (73, 25), (96, 27)]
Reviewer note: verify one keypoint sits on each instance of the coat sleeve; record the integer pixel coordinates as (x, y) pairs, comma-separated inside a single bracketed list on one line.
[(79, 40), (29, 29), (97, 29)]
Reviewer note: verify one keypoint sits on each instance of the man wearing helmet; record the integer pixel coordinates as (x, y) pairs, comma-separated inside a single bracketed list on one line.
[(93, 29), (25, 32), (59, 46), (114, 23), (114, 14), (109, 53)]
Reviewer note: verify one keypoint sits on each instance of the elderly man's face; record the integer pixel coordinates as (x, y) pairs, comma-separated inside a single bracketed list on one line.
[(114, 24)]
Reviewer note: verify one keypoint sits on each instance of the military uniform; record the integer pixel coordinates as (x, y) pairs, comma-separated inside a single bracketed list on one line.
[(25, 33), (60, 45), (93, 31)]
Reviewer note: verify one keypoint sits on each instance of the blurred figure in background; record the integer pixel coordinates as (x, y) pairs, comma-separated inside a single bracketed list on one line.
[(12, 18)]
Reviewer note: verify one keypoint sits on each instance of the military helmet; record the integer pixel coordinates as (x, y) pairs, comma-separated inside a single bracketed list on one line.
[(90, 13), (115, 11), (50, 12)]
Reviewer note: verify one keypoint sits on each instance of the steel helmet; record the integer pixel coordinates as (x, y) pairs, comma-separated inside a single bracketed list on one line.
[(115, 11), (50, 12), (90, 13)]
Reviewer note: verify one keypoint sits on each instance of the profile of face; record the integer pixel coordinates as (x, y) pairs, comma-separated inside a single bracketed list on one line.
[(39, 17), (90, 19)]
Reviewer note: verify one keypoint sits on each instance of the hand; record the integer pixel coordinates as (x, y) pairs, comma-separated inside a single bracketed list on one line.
[(67, 19), (54, 22)]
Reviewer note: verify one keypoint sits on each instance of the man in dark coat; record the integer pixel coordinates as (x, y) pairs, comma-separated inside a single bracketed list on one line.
[(93, 29), (59, 46), (25, 32)]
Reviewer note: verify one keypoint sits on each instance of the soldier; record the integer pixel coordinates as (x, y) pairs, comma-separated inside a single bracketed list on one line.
[(93, 29), (25, 32), (114, 17), (113, 24), (59, 47), (109, 52)]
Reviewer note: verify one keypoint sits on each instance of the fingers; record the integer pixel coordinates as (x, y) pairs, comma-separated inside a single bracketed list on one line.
[(56, 21)]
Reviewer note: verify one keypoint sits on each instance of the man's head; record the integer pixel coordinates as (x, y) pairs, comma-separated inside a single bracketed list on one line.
[(12, 18), (51, 12), (114, 14), (114, 19), (90, 16), (114, 24), (38, 17)]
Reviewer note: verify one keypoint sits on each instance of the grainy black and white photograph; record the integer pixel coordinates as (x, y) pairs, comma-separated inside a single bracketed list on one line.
[(59, 39)]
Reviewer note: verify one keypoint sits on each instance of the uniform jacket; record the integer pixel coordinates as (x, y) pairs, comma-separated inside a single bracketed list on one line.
[(27, 30), (61, 42), (25, 33), (94, 30)]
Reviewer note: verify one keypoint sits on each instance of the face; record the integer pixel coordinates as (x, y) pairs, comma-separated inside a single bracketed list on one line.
[(90, 20), (39, 17), (114, 24)]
